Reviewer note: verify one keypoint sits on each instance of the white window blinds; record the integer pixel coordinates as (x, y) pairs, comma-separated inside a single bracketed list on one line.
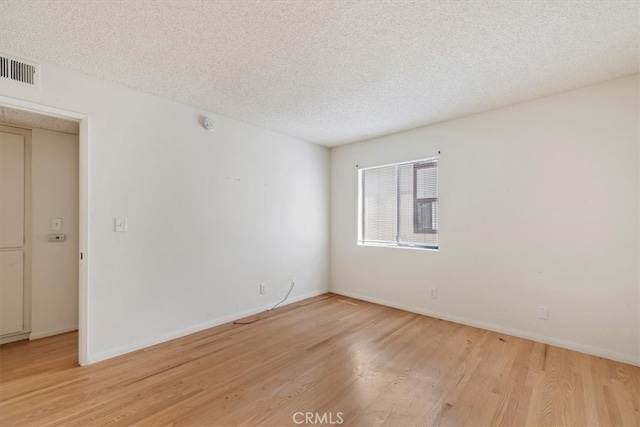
[(399, 204)]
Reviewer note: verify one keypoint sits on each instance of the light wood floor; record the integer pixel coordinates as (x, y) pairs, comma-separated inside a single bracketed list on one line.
[(345, 359)]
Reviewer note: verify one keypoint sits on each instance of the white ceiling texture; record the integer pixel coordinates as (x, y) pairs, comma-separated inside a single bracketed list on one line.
[(332, 72)]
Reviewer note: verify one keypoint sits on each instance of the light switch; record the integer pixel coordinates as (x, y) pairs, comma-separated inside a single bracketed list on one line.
[(121, 224), (55, 224)]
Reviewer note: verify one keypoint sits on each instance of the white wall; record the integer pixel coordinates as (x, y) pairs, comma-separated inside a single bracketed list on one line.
[(54, 266), (539, 205), (211, 215)]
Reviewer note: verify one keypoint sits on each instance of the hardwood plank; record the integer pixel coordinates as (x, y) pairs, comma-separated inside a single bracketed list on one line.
[(327, 355)]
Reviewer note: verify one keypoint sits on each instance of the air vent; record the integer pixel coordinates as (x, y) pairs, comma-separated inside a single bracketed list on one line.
[(18, 70)]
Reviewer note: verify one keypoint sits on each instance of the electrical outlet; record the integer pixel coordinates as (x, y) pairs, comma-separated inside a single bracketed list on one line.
[(543, 313), (433, 293), (263, 288)]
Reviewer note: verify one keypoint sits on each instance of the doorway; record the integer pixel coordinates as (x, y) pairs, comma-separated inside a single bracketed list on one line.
[(56, 229)]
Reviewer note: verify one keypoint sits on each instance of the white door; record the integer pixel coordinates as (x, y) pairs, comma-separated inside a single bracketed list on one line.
[(12, 190)]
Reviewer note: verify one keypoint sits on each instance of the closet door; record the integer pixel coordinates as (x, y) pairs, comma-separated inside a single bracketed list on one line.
[(12, 190), (11, 292)]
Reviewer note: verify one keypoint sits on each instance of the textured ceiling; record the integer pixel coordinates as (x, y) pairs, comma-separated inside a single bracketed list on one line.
[(28, 119), (332, 72)]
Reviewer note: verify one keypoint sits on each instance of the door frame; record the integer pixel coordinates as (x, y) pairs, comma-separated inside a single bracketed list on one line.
[(83, 202)]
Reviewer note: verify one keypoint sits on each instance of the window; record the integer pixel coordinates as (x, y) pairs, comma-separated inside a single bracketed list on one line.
[(425, 197), (399, 204)]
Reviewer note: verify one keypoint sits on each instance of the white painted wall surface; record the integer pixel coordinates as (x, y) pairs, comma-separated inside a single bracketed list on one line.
[(54, 267), (211, 215), (539, 205)]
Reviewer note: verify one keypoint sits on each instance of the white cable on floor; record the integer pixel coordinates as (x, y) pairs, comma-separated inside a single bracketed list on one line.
[(283, 300), (285, 297)]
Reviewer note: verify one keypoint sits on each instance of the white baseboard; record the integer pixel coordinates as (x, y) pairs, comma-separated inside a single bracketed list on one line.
[(193, 329), (570, 345), (38, 335), (13, 338)]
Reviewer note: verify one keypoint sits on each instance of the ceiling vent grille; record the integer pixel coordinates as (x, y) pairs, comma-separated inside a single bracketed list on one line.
[(18, 70)]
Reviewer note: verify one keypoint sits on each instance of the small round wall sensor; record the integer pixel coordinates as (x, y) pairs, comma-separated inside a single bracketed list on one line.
[(209, 123)]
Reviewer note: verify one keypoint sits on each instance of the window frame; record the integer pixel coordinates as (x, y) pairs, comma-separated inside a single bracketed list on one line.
[(432, 161), (417, 227)]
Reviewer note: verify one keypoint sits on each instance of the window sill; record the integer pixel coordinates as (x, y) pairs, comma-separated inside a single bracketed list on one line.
[(403, 246)]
